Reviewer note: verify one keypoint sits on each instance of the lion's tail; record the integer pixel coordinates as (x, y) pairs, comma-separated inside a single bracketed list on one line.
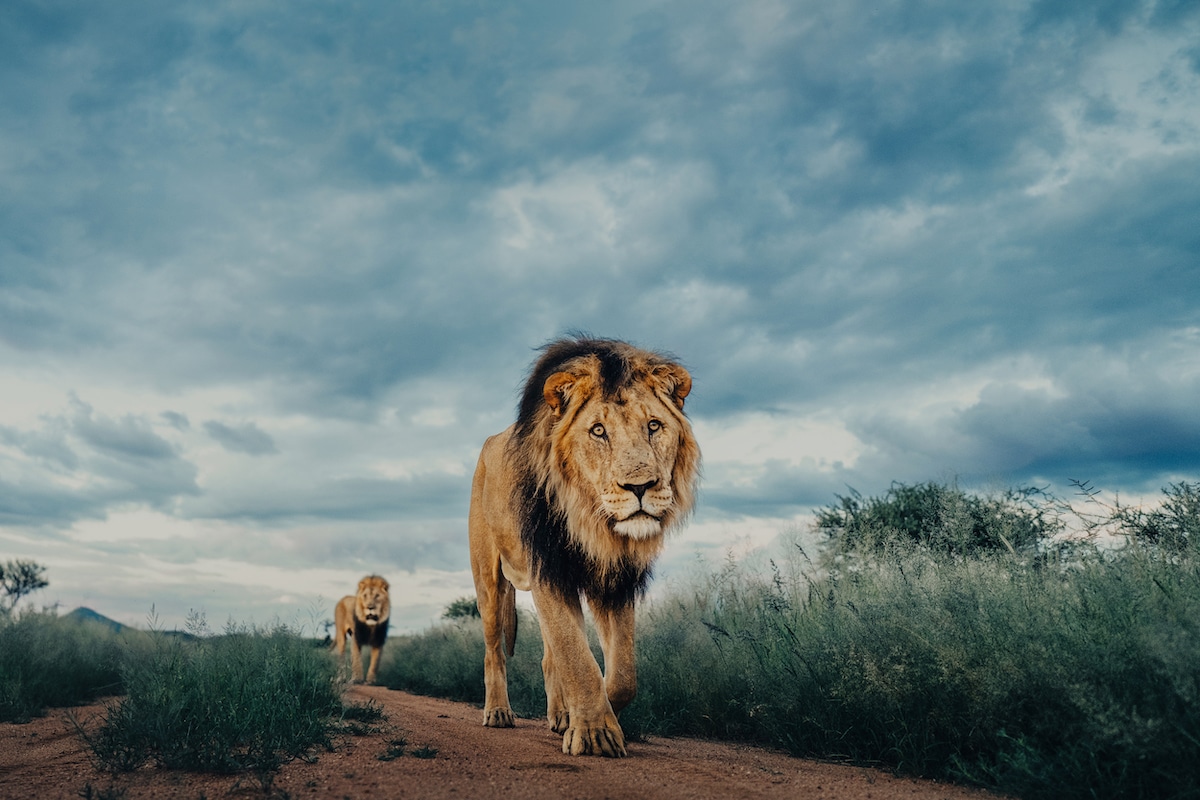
[(508, 615)]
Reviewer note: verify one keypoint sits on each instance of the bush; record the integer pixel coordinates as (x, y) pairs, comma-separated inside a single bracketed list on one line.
[(17, 579), (245, 700), (1065, 672), (462, 607), (1038, 682), (447, 661), (46, 661), (939, 517), (1173, 527)]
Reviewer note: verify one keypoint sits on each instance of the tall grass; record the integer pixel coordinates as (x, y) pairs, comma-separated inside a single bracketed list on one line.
[(447, 661), (1077, 681), (244, 700), (46, 661), (1038, 670)]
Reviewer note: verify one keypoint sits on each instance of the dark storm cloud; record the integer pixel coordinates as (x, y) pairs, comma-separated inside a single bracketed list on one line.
[(1137, 430), (816, 206)]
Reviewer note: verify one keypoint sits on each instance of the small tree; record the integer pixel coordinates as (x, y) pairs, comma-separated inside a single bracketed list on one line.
[(17, 579), (941, 517), (1172, 527), (462, 607)]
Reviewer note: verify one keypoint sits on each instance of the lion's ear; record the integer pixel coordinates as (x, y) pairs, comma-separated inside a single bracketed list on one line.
[(555, 390), (676, 381)]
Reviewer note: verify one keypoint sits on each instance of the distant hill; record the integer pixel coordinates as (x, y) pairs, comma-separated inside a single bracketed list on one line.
[(82, 614)]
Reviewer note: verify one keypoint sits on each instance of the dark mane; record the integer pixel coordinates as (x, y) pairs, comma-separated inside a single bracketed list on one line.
[(558, 560), (560, 563), (370, 635), (615, 372)]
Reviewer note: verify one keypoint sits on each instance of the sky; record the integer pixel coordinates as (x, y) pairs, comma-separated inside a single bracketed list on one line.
[(272, 270)]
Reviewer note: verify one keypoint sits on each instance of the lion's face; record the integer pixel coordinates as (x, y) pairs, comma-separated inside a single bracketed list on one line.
[(620, 454), (372, 604)]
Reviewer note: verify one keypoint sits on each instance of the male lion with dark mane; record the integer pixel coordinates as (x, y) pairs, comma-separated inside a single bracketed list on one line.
[(575, 499), (364, 617)]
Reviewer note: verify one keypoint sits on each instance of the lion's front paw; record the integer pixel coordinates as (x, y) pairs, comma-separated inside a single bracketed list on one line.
[(560, 721), (600, 741), (498, 718)]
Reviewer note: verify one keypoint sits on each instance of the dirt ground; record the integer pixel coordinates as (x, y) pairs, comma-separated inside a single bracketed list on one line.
[(449, 754)]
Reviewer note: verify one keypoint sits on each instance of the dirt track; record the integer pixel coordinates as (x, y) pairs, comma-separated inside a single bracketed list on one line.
[(47, 759)]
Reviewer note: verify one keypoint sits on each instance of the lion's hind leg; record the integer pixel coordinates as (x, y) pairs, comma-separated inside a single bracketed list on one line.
[(344, 627), (497, 609), (489, 525)]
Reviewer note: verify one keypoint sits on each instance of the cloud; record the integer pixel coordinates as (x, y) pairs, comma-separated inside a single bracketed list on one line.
[(890, 243), (80, 465), (129, 438), (329, 497), (246, 438), (1120, 419)]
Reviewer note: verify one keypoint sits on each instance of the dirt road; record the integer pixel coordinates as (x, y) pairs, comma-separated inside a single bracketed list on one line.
[(449, 754)]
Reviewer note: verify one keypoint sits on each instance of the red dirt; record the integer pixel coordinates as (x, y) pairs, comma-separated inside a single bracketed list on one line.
[(46, 759)]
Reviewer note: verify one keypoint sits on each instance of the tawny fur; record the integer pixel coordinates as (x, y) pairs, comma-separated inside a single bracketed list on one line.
[(574, 501), (363, 617)]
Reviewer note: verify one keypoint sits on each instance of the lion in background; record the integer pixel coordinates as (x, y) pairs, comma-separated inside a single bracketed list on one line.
[(575, 500), (364, 617)]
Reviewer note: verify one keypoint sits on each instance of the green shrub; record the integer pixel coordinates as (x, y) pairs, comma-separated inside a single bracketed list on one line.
[(244, 700), (989, 656), (940, 517), (447, 661), (46, 661), (462, 607), (1174, 526), (1040, 680)]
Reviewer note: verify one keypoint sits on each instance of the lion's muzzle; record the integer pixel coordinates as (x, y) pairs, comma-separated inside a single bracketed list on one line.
[(638, 507)]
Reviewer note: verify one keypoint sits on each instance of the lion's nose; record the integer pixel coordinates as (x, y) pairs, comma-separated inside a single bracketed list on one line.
[(638, 489)]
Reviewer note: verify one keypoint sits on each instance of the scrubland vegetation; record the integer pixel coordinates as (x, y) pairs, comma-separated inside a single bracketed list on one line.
[(244, 700), (46, 661), (247, 699), (937, 633), (1018, 642)]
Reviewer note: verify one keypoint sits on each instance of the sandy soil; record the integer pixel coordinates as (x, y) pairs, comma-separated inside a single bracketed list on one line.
[(46, 759)]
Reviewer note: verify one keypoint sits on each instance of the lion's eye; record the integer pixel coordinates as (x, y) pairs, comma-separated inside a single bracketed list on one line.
[(598, 431), (655, 426)]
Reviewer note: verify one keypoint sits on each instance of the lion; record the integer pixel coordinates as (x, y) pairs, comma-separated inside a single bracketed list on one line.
[(575, 500), (363, 616)]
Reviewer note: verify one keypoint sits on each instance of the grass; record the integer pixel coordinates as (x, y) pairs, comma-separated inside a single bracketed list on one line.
[(50, 662), (447, 661), (359, 719), (1037, 670), (246, 700), (394, 750), (1066, 681)]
